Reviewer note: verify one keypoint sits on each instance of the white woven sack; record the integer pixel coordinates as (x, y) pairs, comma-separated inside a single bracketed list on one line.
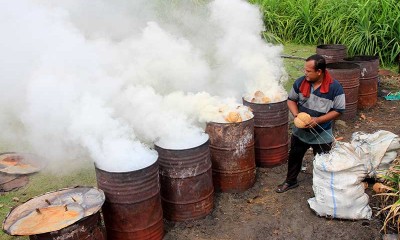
[(337, 185), (377, 150)]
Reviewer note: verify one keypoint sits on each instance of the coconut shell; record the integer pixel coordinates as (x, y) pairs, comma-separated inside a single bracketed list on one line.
[(302, 120), (379, 187), (233, 117), (259, 94), (266, 100)]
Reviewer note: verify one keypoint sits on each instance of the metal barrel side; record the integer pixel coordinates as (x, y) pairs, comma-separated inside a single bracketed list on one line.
[(271, 132), (132, 209), (232, 155), (368, 89), (187, 191), (332, 52), (87, 228), (348, 74)]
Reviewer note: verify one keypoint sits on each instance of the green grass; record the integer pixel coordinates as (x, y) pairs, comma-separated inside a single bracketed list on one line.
[(294, 67)]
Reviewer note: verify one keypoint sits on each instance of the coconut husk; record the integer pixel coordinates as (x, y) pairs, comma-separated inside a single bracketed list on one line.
[(302, 120), (233, 117)]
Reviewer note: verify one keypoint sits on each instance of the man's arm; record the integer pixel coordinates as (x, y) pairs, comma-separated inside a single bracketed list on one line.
[(292, 105)]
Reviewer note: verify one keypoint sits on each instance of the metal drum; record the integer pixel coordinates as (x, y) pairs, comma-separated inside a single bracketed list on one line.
[(187, 190), (15, 169), (348, 74), (368, 89), (67, 214), (270, 132), (132, 209), (332, 52), (232, 155), (86, 229), (9, 182)]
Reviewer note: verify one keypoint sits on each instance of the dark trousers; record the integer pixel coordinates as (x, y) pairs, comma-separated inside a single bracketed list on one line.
[(297, 151)]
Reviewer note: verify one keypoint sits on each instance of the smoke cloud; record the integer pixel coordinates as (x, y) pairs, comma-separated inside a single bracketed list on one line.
[(105, 80)]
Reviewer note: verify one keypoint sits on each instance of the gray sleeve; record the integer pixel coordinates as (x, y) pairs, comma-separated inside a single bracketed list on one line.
[(339, 103), (293, 95)]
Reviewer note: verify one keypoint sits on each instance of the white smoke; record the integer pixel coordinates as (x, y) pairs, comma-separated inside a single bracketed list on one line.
[(106, 80)]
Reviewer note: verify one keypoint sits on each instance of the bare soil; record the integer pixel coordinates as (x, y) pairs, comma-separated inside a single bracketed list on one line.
[(260, 213)]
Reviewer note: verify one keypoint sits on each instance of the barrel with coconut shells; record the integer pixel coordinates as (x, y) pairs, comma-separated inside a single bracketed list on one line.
[(132, 209), (270, 132), (332, 52), (232, 155), (348, 74), (187, 191), (368, 89), (67, 214)]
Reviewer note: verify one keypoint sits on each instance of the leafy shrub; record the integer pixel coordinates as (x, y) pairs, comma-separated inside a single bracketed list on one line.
[(366, 27)]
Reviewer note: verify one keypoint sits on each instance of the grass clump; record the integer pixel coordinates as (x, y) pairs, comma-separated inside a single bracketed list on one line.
[(390, 198)]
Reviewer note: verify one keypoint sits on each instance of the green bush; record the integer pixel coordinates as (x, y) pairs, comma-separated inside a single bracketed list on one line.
[(366, 27)]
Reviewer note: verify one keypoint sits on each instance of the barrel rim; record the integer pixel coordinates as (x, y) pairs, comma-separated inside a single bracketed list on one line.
[(229, 123), (332, 46), (125, 172), (362, 58), (185, 149), (340, 65), (260, 104)]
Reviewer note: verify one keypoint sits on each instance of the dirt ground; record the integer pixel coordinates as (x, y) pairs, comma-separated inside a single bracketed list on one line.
[(260, 213)]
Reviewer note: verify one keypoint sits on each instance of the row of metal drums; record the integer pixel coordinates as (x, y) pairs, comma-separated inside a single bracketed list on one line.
[(358, 76), (180, 185)]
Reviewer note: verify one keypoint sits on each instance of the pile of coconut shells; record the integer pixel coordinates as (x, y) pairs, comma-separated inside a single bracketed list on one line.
[(15, 169)]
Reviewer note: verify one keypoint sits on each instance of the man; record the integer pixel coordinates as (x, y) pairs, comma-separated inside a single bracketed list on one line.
[(323, 98)]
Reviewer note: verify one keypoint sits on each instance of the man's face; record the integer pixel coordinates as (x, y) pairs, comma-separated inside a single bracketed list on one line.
[(311, 74)]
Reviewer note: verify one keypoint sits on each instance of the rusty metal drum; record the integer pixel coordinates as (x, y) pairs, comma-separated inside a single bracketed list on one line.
[(332, 52), (348, 74), (271, 133), (15, 169), (368, 89), (86, 229), (67, 214), (187, 190), (132, 209), (232, 155), (9, 182)]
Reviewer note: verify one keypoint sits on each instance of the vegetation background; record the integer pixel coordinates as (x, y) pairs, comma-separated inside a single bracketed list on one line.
[(366, 27)]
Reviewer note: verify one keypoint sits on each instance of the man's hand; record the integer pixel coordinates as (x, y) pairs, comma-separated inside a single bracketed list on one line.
[(313, 123)]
